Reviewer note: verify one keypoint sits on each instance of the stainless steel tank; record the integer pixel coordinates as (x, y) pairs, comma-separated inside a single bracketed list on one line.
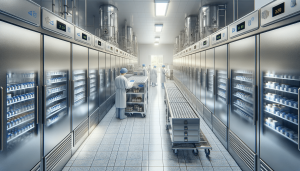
[(129, 40), (176, 45), (109, 24), (190, 30), (208, 20)]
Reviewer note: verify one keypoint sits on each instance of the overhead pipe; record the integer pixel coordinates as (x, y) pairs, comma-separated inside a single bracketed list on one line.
[(53, 6), (73, 11), (85, 14), (65, 9)]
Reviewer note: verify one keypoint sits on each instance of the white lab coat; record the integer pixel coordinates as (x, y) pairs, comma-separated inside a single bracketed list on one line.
[(149, 69), (121, 84), (153, 75), (145, 71), (163, 75)]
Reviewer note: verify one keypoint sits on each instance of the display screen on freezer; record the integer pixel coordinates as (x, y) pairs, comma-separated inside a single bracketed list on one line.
[(84, 36), (240, 26), (204, 43), (218, 37), (99, 43), (279, 9), (61, 26)]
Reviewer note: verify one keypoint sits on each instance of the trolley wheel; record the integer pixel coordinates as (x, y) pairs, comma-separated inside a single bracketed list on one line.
[(143, 115), (175, 151), (195, 152), (207, 152)]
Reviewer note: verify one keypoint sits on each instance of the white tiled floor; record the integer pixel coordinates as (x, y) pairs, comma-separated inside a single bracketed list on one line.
[(142, 144)]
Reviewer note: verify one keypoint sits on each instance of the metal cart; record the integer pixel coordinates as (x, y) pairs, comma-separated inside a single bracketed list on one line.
[(183, 123), (137, 96)]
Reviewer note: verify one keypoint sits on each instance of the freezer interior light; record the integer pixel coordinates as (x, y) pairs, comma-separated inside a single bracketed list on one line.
[(161, 8)]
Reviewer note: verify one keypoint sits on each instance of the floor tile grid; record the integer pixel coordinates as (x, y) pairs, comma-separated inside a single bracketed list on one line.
[(143, 144)]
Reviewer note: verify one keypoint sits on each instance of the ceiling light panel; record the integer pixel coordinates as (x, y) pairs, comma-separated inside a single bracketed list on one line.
[(158, 27), (157, 39), (161, 9)]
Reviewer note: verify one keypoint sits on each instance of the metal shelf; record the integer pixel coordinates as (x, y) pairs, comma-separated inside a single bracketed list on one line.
[(241, 108), (281, 90), (20, 113), (283, 78), (20, 101), (281, 104), (243, 90), (55, 91), (56, 100), (294, 141), (246, 100), (281, 117), (243, 80), (57, 82), (79, 99), (20, 134), (20, 123), (55, 112), (20, 89)]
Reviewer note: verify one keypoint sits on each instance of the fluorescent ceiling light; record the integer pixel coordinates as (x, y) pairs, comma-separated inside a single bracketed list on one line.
[(156, 43), (157, 39), (161, 8), (158, 27)]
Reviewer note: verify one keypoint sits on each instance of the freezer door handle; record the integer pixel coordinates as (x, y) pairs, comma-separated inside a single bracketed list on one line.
[(72, 92), (298, 119), (206, 81), (254, 104), (37, 104), (69, 89), (2, 120), (88, 87), (44, 103), (227, 90), (214, 85)]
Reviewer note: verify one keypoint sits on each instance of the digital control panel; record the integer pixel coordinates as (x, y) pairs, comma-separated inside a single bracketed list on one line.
[(28, 13), (56, 24), (83, 36), (219, 36), (204, 43), (99, 43), (117, 51), (244, 25), (279, 10), (109, 48), (196, 46)]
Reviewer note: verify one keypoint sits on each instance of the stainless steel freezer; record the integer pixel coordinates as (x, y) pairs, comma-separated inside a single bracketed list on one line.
[(198, 76), (220, 119), (20, 101), (210, 77), (108, 76), (203, 77), (102, 78), (93, 81), (193, 65), (113, 73), (242, 122), (79, 84), (279, 97), (118, 66)]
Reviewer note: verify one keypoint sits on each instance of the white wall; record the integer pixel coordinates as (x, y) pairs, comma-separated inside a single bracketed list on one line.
[(260, 3), (146, 50)]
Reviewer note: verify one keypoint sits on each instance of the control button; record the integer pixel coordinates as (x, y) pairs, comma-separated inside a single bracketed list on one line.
[(293, 3), (265, 14)]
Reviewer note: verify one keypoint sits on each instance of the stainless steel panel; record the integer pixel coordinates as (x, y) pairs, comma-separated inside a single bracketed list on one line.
[(118, 66), (242, 72), (113, 73), (221, 98), (203, 77), (57, 59), (102, 78), (79, 84), (279, 57), (108, 76), (29, 13), (190, 60), (20, 64), (193, 74), (93, 81), (210, 89)]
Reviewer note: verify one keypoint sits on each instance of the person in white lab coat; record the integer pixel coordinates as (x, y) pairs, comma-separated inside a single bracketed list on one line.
[(121, 84), (149, 69), (145, 73), (153, 76), (163, 76)]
